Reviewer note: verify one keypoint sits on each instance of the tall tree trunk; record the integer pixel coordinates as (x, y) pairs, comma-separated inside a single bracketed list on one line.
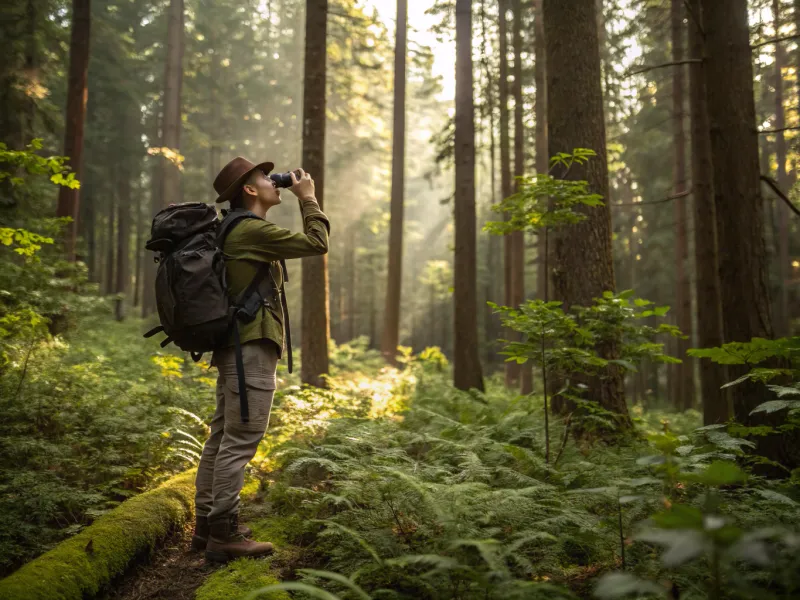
[(173, 81), (123, 232), (782, 320), (518, 237), (137, 267), (109, 251), (149, 266), (466, 363), (716, 408), (493, 250), (31, 68), (315, 322), (740, 211), (684, 384), (542, 159), (351, 284), (391, 323), (584, 264), (77, 94), (512, 368)]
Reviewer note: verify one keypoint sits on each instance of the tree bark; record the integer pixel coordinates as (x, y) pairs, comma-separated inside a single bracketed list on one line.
[(512, 368), (391, 324), (583, 254), (351, 285), (467, 372), (716, 407), (542, 159), (315, 318), (123, 225), (110, 248), (743, 268), (173, 81), (77, 95), (492, 255), (518, 237), (782, 321), (684, 384)]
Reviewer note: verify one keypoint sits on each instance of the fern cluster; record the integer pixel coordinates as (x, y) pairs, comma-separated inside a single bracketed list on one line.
[(453, 499)]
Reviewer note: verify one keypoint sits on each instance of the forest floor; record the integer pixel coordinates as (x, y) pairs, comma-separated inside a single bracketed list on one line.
[(173, 572), (391, 484)]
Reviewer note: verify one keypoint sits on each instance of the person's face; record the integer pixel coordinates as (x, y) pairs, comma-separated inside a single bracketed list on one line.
[(261, 186)]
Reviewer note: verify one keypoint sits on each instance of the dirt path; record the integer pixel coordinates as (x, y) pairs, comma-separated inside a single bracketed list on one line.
[(173, 573)]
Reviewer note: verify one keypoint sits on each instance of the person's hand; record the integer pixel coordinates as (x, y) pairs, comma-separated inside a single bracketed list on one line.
[(303, 186)]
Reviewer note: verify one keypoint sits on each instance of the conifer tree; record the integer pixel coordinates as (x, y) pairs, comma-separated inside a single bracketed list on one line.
[(467, 371), (315, 318)]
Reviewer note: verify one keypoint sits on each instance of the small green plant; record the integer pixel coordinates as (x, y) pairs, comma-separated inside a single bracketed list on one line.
[(563, 343)]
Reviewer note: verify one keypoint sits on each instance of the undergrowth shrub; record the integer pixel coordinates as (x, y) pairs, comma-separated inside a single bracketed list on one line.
[(454, 499)]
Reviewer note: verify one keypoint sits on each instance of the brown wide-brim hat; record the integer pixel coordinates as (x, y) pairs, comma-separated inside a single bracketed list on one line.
[(233, 176)]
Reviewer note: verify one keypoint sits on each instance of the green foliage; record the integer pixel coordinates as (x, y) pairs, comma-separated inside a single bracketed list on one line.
[(456, 495), (545, 201), (33, 164), (88, 420)]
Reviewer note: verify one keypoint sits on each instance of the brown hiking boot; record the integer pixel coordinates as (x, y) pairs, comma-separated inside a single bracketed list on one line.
[(200, 537), (226, 543)]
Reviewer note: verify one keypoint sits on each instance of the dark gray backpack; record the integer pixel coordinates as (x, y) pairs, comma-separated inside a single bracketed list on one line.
[(192, 299)]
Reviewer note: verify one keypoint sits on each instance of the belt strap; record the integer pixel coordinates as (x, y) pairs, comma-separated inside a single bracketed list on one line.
[(285, 308), (245, 408)]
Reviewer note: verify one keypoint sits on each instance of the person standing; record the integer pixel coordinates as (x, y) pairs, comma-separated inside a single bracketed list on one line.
[(254, 243)]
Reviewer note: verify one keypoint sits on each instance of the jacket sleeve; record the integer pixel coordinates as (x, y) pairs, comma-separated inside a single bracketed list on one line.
[(266, 242)]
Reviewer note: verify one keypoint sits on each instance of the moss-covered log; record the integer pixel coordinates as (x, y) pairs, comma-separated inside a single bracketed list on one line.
[(83, 565)]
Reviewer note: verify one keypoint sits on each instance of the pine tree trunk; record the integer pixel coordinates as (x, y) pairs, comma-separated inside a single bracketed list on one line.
[(743, 266), (542, 159), (684, 386), (77, 94), (351, 286), (123, 234), (518, 237), (149, 267), (716, 407), (137, 268), (466, 363), (493, 249), (584, 265), (173, 80), (512, 368), (782, 318), (391, 324), (110, 282), (31, 60), (315, 319)]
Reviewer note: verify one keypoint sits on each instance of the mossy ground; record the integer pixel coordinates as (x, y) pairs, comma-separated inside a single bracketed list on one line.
[(83, 565), (239, 578)]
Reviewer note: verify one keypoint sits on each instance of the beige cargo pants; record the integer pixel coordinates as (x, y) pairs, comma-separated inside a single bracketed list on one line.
[(232, 444)]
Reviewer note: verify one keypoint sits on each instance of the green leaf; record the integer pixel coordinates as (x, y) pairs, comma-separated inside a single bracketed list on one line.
[(311, 590), (679, 516), (345, 581), (776, 497), (682, 545), (721, 473), (776, 405), (619, 585)]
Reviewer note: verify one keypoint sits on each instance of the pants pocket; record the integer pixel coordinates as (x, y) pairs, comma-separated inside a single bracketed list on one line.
[(260, 391)]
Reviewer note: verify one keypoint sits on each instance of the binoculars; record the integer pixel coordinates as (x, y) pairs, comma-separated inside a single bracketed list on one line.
[(284, 180)]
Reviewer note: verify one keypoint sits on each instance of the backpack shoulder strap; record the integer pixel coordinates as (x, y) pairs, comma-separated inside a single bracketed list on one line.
[(231, 220)]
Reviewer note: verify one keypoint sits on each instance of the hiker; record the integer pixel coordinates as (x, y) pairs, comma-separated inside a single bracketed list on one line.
[(251, 244)]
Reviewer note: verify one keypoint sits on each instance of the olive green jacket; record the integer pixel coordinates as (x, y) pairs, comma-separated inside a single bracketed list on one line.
[(253, 242)]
